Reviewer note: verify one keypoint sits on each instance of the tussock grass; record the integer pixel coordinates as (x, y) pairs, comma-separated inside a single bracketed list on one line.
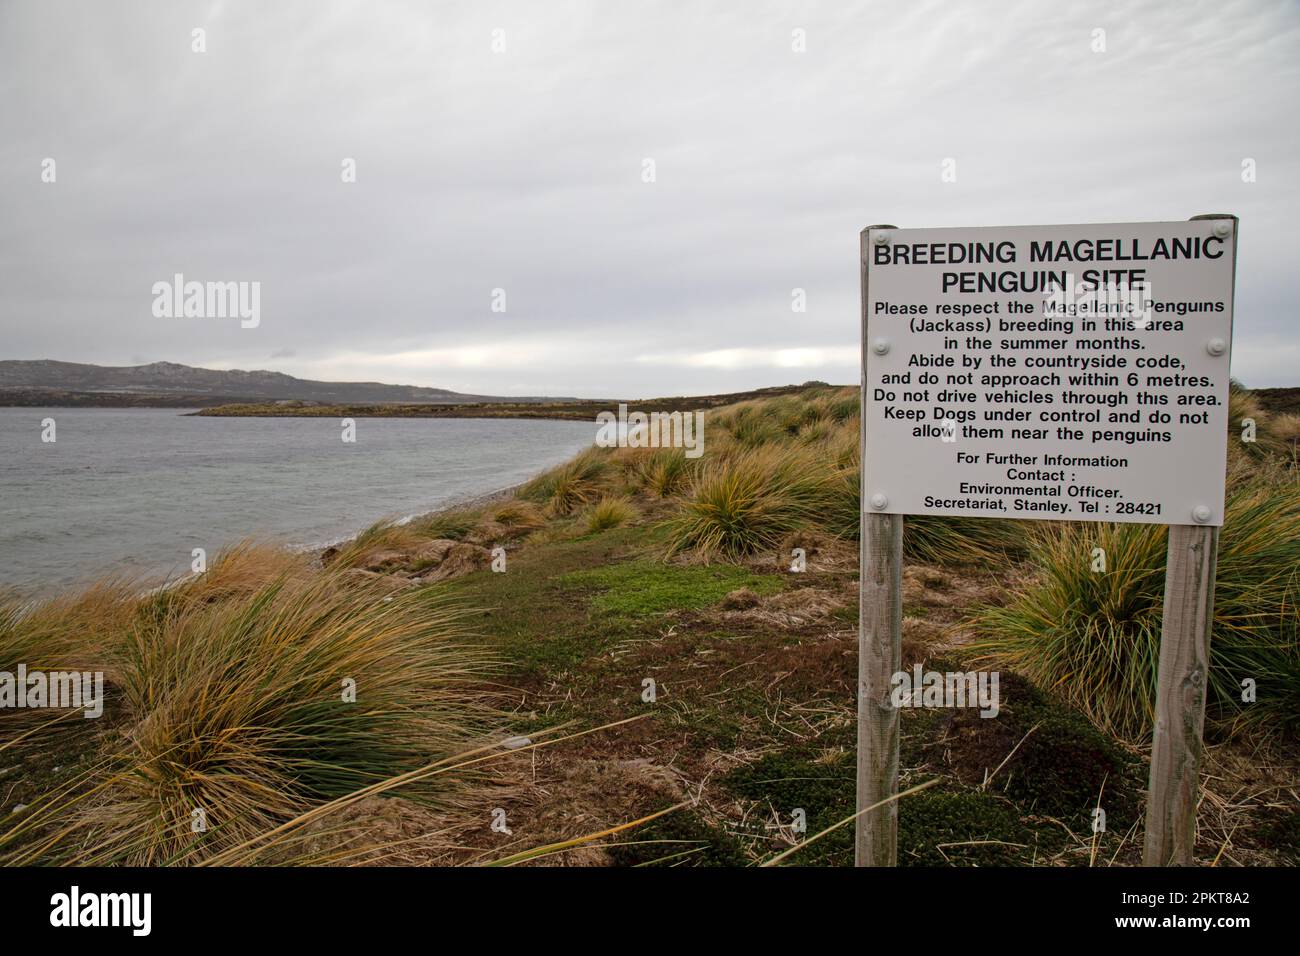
[(453, 524), (749, 502), (68, 633), (770, 467), (843, 406), (236, 571), (508, 521), (1094, 637), (751, 425), (238, 709), (630, 464), (567, 488), (964, 540), (843, 447), (380, 537), (609, 513), (668, 470), (1275, 435), (517, 514), (1286, 428), (71, 631), (794, 415), (841, 454)]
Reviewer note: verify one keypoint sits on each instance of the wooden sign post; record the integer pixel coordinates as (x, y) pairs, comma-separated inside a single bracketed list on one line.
[(880, 652), (1180, 695), (931, 331), (1182, 681)]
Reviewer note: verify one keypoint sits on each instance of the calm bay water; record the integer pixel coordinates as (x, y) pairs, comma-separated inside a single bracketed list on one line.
[(134, 490)]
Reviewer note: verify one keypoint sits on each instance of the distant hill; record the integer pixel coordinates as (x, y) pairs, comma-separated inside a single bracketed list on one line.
[(168, 384)]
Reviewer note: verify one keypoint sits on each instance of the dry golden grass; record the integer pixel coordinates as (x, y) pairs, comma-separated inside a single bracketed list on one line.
[(380, 538), (568, 488), (237, 571), (71, 631), (750, 501), (507, 521), (248, 711), (609, 512), (1275, 436)]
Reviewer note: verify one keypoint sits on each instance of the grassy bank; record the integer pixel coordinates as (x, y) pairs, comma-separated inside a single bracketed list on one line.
[(641, 584)]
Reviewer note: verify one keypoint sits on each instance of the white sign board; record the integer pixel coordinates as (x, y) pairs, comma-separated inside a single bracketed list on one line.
[(1074, 373)]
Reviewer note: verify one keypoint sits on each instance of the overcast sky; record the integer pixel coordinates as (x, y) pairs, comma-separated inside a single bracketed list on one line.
[(522, 170)]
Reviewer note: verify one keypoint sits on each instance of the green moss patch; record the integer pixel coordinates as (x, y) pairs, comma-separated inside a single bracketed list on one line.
[(643, 588), (803, 778), (962, 828), (1060, 769)]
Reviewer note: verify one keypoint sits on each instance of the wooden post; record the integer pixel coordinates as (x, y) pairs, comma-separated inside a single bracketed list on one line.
[(1182, 682), (1180, 695), (880, 612), (880, 640)]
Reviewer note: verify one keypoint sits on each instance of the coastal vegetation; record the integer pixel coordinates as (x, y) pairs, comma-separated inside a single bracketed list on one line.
[(1094, 637), (649, 645)]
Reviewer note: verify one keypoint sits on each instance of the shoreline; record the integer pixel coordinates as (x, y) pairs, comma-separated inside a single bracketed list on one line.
[(476, 500), (315, 550)]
